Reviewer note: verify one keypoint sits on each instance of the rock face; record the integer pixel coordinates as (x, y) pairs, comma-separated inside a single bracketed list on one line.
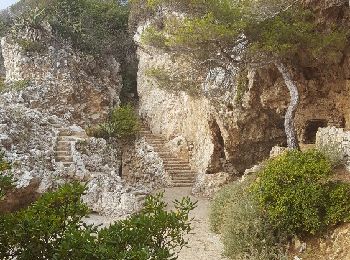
[(335, 142), (56, 93), (143, 166), (60, 81), (227, 133)]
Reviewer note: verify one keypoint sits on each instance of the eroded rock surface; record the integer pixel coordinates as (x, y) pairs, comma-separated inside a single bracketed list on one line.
[(225, 133)]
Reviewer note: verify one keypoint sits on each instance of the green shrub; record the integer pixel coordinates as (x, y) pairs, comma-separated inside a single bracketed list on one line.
[(52, 228), (31, 46), (246, 234), (297, 194), (122, 123)]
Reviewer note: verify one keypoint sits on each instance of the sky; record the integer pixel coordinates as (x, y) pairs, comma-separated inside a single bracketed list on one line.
[(6, 3)]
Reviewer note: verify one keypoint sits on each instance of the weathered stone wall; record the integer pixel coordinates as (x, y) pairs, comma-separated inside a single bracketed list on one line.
[(335, 142), (239, 133), (141, 165)]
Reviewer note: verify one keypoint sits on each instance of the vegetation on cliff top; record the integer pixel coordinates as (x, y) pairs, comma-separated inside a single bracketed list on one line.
[(98, 28)]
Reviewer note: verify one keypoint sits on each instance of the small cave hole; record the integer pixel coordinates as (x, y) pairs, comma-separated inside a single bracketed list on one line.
[(230, 107), (218, 156), (311, 129)]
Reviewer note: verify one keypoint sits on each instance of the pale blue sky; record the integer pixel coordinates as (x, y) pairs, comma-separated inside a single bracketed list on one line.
[(6, 3)]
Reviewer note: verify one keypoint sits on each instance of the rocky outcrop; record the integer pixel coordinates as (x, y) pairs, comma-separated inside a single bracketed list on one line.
[(335, 143), (58, 79), (233, 131), (52, 95), (142, 165)]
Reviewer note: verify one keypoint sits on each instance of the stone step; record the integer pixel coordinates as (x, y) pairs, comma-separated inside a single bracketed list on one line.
[(175, 159), (183, 184), (180, 168), (175, 164), (67, 164), (64, 158), (183, 180), (65, 132), (67, 138), (63, 142), (62, 147), (63, 153), (164, 153), (179, 173), (160, 144), (155, 141), (171, 171)]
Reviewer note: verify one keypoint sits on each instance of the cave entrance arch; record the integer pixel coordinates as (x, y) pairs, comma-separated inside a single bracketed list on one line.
[(311, 128), (218, 157)]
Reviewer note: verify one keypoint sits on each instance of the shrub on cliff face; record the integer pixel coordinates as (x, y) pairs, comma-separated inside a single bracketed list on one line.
[(297, 193), (122, 123), (245, 233), (53, 228)]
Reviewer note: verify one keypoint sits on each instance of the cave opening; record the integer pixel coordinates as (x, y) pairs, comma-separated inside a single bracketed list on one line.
[(311, 129), (218, 155)]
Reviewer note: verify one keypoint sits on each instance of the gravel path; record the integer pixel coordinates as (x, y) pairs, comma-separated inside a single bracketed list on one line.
[(203, 244)]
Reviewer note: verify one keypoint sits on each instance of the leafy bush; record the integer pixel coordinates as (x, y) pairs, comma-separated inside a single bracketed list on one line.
[(30, 46), (297, 194), (122, 123), (246, 234), (52, 228), (93, 26)]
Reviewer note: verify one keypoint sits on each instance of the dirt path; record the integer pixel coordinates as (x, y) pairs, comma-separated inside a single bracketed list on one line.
[(203, 244)]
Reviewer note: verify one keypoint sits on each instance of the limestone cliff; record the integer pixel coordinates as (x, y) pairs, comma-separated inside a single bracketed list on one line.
[(49, 95), (227, 132), (61, 81)]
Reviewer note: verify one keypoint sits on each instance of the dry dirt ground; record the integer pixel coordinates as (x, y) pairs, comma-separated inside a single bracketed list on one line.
[(203, 244)]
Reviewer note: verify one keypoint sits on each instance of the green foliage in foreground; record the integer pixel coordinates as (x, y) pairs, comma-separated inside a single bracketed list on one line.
[(52, 228), (245, 233), (122, 123), (297, 194), (293, 195)]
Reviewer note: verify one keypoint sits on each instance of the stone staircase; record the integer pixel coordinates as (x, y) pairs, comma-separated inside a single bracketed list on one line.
[(179, 169), (64, 146)]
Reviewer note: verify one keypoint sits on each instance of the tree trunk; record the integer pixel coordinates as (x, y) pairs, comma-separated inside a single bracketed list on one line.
[(292, 139)]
